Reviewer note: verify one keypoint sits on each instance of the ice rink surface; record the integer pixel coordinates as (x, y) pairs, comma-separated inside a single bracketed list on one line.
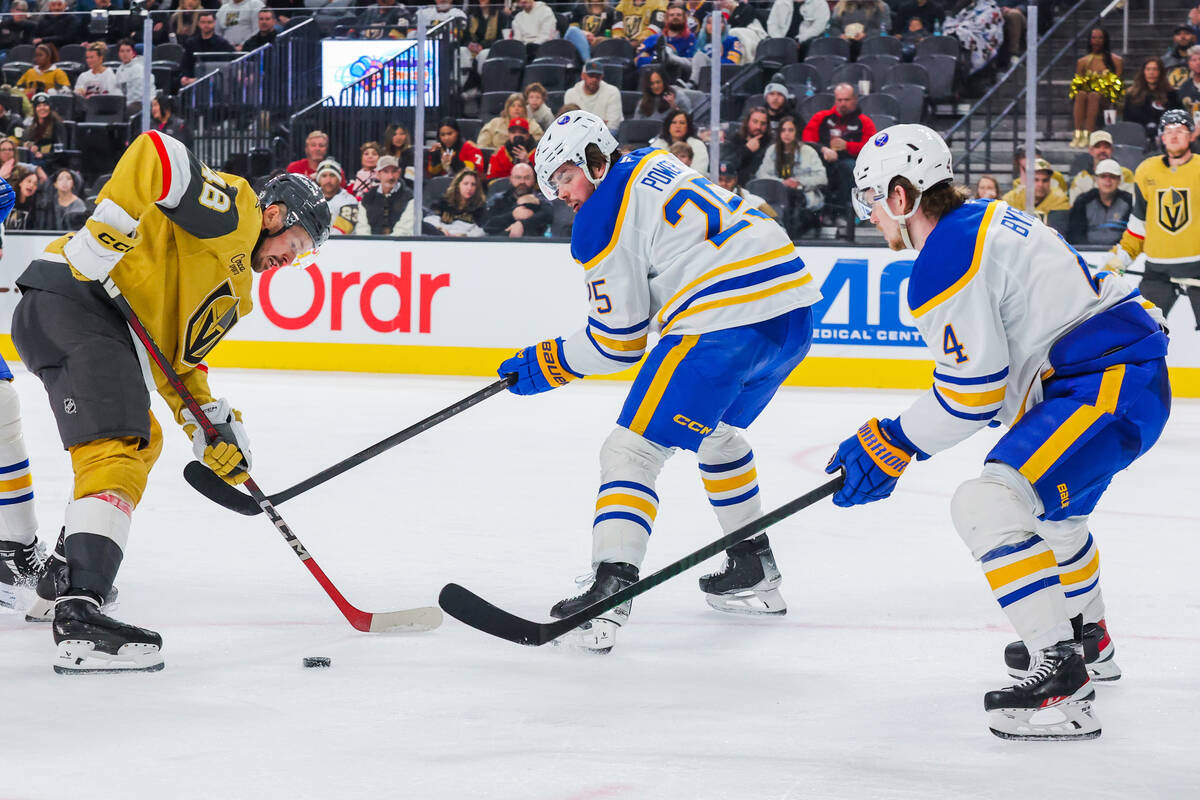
[(870, 687)]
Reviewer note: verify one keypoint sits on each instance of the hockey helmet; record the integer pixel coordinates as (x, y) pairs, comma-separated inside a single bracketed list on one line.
[(566, 141), (305, 204), (913, 152), (1176, 116)]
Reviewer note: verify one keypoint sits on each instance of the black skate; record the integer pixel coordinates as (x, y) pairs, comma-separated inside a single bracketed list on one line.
[(599, 635), (1098, 652), (53, 582), (20, 567), (1053, 704), (749, 581), (90, 642)]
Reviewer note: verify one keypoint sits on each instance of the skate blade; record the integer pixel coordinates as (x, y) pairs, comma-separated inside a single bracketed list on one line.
[(751, 602), (1067, 721), (79, 657), (596, 637)]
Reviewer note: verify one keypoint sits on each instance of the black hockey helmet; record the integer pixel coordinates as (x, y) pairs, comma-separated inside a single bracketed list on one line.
[(1176, 116), (306, 205)]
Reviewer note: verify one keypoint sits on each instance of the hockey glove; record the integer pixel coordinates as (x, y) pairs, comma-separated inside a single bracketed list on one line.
[(229, 454), (1118, 260), (106, 237), (539, 368), (873, 462)]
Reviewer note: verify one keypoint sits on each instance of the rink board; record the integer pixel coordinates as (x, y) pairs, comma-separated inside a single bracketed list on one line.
[(458, 307)]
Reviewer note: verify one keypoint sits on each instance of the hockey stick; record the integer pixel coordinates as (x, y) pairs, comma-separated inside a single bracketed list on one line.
[(209, 484), (415, 619), (471, 609)]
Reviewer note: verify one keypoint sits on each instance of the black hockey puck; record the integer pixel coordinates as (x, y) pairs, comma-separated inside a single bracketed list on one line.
[(316, 662)]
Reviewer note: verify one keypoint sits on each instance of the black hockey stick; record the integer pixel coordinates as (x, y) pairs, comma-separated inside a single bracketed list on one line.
[(414, 619), (209, 484), (471, 609)]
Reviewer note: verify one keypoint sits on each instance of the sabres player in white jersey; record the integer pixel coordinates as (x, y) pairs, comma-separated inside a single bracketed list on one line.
[(1023, 335), (664, 251)]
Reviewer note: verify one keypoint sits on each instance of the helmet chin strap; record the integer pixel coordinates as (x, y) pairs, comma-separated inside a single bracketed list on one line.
[(596, 181), (903, 219)]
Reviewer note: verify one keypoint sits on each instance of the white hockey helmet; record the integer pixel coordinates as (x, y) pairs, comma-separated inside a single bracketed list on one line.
[(914, 152), (566, 140)]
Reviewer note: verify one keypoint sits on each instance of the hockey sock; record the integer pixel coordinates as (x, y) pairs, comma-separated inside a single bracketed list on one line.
[(97, 529), (1024, 581), (16, 482), (730, 477), (626, 503), (1080, 577)]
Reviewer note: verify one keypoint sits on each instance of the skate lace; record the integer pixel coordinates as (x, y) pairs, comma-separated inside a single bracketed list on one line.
[(584, 582), (1042, 669)]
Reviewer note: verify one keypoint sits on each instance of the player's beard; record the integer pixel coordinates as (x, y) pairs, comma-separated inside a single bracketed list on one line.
[(893, 238)]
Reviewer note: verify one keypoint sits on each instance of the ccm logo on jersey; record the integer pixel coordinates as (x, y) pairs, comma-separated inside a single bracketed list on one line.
[(692, 425), (113, 243)]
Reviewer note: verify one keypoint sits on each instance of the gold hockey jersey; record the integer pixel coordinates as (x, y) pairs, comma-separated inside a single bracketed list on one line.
[(1163, 224), (189, 276), (636, 22)]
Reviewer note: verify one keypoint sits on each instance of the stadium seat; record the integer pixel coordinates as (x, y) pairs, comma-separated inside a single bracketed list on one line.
[(498, 185), (638, 131), (469, 127), (1127, 133), (21, 52), (492, 103), (852, 74), (629, 101), (911, 98), (73, 69), (751, 101), (562, 221), (879, 103), (942, 70), (910, 73), (773, 190), (818, 102), (435, 187), (1059, 220), (552, 76), (615, 71), (829, 46), (775, 53), (883, 120), (65, 105), (619, 49), (501, 75), (507, 48), (72, 52), (729, 72), (1128, 155), (554, 101), (559, 49), (12, 103), (12, 70), (168, 51), (166, 76), (938, 45), (881, 46), (881, 67), (104, 108), (825, 65)]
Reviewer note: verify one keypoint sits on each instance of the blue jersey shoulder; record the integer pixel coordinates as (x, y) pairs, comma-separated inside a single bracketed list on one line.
[(948, 253), (596, 222), (8, 199)]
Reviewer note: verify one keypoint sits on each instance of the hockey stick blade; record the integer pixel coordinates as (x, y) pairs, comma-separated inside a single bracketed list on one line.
[(413, 620), (207, 483), (471, 609)]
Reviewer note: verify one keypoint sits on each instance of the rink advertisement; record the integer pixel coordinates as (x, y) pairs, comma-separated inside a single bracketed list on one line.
[(458, 307)]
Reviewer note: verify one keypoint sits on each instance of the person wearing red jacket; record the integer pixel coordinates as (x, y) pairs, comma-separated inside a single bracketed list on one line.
[(839, 133), (451, 153), (517, 150)]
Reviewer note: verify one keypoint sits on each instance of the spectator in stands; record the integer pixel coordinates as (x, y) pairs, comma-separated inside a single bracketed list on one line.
[(593, 94), (206, 40), (495, 132), (727, 179), (1047, 194), (654, 103), (285, 10), (367, 176), (57, 27), (316, 150), (1193, 21), (266, 33), (16, 27), (130, 76), (237, 20), (802, 20), (1150, 97), (750, 144), (25, 185), (111, 29), (683, 152), (979, 27), (533, 24), (164, 120), (43, 76), (1175, 59), (1015, 26), (1096, 85), (462, 211), (929, 12), (385, 19), (744, 23), (1189, 90), (535, 104), (778, 100), (184, 22), (451, 153), (797, 164), (485, 25), (97, 79), (398, 145), (855, 20), (517, 150), (1100, 148), (987, 188), (387, 209), (839, 134), (637, 19), (731, 48), (441, 11), (1099, 215), (673, 48), (519, 210), (343, 206), (65, 203), (678, 128), (1019, 171), (9, 165), (46, 128), (695, 11), (590, 20)]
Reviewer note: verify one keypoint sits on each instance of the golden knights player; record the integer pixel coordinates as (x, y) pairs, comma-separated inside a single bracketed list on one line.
[(180, 241), (1163, 225)]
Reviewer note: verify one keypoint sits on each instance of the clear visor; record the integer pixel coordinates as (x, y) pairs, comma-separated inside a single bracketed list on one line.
[(863, 200), (561, 178)]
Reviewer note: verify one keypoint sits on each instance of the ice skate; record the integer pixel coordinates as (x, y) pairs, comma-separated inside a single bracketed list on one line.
[(20, 567), (90, 642), (600, 634), (52, 583), (749, 581), (1098, 653), (1053, 704)]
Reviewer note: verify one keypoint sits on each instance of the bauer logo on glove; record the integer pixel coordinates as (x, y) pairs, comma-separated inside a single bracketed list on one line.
[(539, 368)]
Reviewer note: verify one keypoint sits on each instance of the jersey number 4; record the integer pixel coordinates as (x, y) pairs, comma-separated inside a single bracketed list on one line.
[(709, 203), (951, 346)]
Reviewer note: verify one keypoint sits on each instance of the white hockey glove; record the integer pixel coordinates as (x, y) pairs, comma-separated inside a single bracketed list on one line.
[(105, 238), (1118, 260), (229, 455)]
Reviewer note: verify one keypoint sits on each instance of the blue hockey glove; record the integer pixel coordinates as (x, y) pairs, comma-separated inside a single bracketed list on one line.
[(539, 368), (873, 460)]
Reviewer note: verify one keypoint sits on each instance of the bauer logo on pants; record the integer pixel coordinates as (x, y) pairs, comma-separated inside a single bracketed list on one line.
[(1174, 212), (211, 320)]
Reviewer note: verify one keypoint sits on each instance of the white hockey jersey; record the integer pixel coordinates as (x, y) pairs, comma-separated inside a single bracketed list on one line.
[(992, 291), (664, 250)]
